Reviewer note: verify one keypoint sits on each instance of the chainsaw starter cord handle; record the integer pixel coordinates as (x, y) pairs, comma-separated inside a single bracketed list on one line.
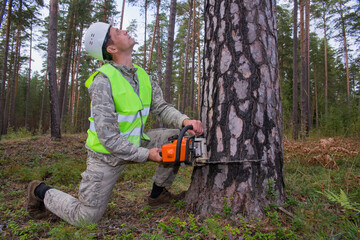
[(178, 145)]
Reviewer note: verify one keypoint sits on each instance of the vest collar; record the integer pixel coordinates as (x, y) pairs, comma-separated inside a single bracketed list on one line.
[(125, 70)]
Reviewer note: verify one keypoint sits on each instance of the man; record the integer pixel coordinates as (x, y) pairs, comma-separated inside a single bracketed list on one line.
[(122, 96)]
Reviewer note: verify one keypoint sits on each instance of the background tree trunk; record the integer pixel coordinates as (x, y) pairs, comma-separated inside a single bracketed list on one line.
[(3, 6), (184, 95), (307, 64), (15, 73), (241, 110), (28, 86), (155, 30), (66, 59), (295, 75), (303, 88), (169, 52), (193, 50), (326, 61), (158, 48), (145, 29), (41, 128), (122, 14), (54, 100), (4, 69), (343, 32)]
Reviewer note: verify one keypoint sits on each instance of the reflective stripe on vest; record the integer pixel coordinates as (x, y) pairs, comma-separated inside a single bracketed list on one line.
[(133, 110)]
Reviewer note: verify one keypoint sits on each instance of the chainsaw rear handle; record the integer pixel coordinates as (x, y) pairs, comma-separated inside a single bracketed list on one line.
[(178, 145)]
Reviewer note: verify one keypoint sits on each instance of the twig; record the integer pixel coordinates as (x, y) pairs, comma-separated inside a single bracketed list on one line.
[(286, 212)]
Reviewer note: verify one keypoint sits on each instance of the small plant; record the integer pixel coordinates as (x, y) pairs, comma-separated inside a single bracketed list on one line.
[(271, 189), (226, 208), (166, 228), (341, 199), (180, 204)]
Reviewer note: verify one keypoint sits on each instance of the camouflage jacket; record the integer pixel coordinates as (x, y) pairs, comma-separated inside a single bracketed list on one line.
[(105, 117)]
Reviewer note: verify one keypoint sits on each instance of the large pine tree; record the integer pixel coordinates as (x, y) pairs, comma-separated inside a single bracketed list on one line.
[(241, 111)]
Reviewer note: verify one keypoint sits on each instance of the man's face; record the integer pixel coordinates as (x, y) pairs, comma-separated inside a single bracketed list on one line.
[(122, 41)]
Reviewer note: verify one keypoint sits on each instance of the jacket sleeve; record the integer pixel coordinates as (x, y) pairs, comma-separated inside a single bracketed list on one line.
[(163, 110), (106, 124)]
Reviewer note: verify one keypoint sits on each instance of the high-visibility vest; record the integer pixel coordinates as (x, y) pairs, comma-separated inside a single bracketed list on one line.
[(133, 110)]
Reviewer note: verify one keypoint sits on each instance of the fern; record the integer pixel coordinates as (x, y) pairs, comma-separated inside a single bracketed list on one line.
[(341, 199)]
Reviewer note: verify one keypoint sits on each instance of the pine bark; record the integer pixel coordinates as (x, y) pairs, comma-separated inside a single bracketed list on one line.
[(307, 63), (303, 87), (28, 86), (326, 63), (3, 6), (343, 32), (158, 49), (145, 30), (14, 75), (241, 110), (155, 30), (295, 75), (122, 14), (54, 100), (187, 47), (193, 50), (4, 68), (66, 59), (169, 51), (199, 79), (41, 128)]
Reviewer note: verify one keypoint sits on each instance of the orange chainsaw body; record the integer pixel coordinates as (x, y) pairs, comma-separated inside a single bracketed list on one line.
[(169, 151)]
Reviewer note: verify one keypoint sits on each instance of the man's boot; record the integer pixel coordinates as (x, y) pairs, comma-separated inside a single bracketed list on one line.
[(34, 205)]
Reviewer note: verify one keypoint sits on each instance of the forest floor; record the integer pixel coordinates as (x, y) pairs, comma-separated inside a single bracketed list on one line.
[(322, 178)]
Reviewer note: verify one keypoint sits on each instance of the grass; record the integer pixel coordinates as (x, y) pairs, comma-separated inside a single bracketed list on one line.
[(322, 202)]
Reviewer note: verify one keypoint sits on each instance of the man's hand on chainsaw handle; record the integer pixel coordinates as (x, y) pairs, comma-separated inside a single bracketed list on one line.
[(198, 128), (154, 155)]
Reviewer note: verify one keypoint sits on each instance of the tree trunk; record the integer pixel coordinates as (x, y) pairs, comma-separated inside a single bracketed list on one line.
[(146, 6), (54, 100), (13, 82), (316, 103), (158, 49), (193, 50), (184, 93), (241, 110), (4, 69), (199, 78), (169, 51), (326, 64), (105, 10), (66, 58), (155, 29), (122, 14), (3, 6), (307, 63), (295, 75), (303, 88), (72, 85), (28, 87), (77, 77), (43, 103), (343, 31)]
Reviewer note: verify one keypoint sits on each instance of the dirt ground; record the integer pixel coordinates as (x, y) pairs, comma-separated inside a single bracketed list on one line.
[(127, 211)]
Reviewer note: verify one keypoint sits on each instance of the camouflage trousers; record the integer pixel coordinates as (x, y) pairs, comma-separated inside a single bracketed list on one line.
[(98, 181)]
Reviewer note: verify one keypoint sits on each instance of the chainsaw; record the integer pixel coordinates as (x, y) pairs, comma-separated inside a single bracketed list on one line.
[(182, 150)]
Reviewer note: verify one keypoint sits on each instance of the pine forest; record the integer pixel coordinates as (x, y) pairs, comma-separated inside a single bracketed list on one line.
[(320, 95)]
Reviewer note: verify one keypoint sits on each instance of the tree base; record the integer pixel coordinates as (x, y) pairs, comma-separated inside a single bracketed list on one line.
[(232, 189)]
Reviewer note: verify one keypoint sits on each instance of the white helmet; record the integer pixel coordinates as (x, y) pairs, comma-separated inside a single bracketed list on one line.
[(94, 39)]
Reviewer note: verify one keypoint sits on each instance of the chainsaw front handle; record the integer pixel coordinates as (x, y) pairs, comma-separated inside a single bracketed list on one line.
[(178, 145)]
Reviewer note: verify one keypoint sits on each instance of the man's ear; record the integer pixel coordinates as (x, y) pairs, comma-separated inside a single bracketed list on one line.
[(111, 49)]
